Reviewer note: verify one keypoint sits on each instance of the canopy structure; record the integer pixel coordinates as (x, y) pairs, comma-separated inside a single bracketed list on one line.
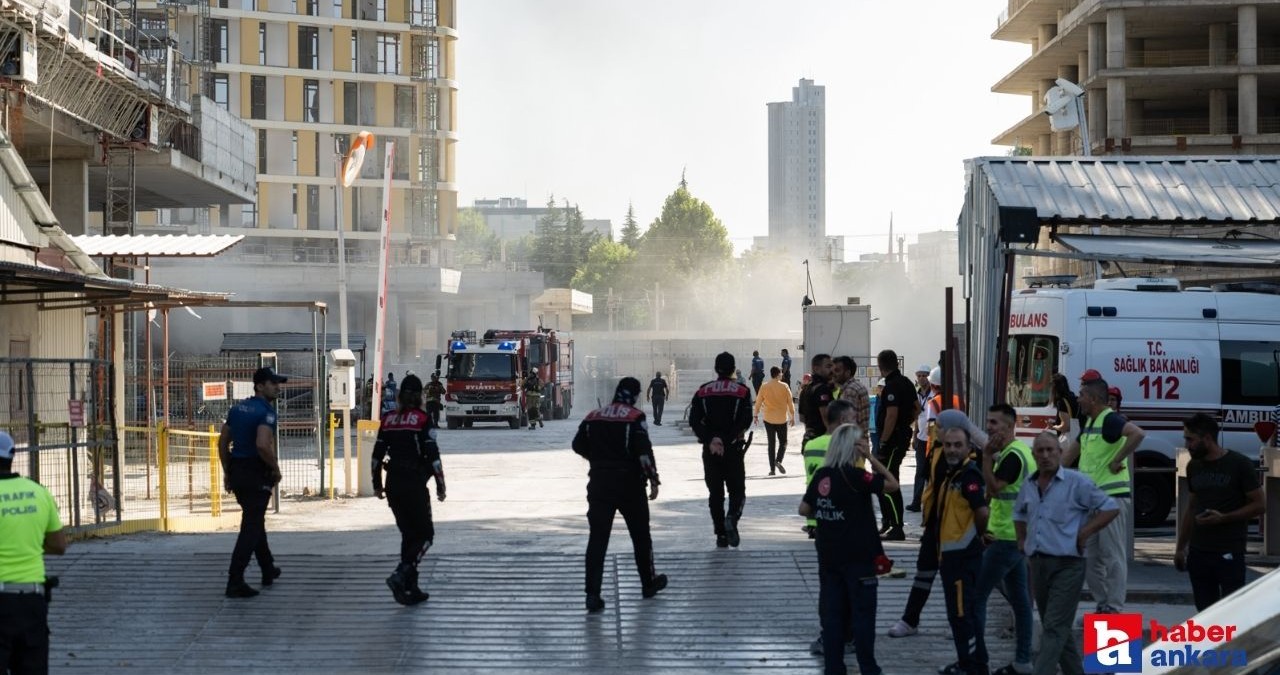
[(1175, 250), (286, 342), (157, 245), (1008, 200)]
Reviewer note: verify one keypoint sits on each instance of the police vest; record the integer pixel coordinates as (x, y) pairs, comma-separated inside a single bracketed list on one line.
[(1001, 523), (815, 453), (1096, 453)]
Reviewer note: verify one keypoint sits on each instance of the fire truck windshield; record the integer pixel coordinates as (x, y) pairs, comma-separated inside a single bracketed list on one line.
[(481, 366)]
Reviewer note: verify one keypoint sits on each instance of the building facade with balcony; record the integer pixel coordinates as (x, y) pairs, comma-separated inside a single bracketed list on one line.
[(307, 76), (1193, 77)]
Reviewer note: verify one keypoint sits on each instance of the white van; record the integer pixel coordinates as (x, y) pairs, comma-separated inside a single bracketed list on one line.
[(1172, 353)]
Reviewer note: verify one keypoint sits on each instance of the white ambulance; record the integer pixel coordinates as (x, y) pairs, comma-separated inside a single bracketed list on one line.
[(1172, 353)]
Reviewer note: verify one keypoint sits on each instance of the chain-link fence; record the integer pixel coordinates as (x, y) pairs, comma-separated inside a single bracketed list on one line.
[(202, 388), (59, 414)]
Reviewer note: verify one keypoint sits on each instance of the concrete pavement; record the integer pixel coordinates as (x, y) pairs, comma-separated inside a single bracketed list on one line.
[(506, 581)]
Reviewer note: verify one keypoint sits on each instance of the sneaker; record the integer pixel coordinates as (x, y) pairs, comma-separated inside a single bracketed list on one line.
[(595, 604), (894, 534), (399, 590), (885, 528), (731, 532), (771, 472), (239, 589), (659, 582), (902, 629), (914, 508), (1012, 669), (895, 573), (781, 469), (722, 541), (951, 669), (815, 647), (269, 576)]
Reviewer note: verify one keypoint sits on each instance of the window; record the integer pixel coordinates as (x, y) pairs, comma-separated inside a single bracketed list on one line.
[(219, 41), (481, 367), (309, 47), (1250, 372), (388, 54), (420, 11), (311, 100), (337, 9), (249, 215), (262, 43), (295, 203), (313, 207), (219, 90), (295, 154), (310, 7), (380, 10), (404, 107), (258, 97), (350, 103), (262, 151), (1033, 359), (355, 51)]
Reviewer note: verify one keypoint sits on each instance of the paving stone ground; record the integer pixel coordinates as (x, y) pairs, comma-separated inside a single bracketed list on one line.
[(505, 579)]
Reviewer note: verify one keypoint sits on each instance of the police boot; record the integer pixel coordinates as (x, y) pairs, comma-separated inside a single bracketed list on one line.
[(651, 589), (399, 585), (237, 588), (415, 593), (595, 604), (731, 530)]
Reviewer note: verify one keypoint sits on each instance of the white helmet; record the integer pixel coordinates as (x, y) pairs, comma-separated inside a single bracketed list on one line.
[(935, 377)]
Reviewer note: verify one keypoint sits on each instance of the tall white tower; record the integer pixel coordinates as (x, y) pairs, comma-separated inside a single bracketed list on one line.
[(798, 172)]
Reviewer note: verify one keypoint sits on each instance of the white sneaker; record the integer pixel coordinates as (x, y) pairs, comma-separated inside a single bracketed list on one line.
[(902, 629)]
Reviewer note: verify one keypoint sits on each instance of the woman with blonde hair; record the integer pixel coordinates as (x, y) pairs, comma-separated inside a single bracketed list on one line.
[(849, 548)]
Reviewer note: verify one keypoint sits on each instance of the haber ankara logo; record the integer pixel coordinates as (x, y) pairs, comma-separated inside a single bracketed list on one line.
[(1113, 643)]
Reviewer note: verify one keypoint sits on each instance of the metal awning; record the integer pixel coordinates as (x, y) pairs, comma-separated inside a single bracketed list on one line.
[(22, 284), (287, 342), (1166, 250), (157, 245)]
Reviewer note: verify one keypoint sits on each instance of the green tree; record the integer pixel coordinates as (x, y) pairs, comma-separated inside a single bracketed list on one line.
[(631, 229), (477, 245), (560, 244), (687, 240), (607, 263)]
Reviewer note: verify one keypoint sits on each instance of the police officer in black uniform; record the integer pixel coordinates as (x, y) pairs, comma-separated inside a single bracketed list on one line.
[(720, 415), (407, 447), (615, 439)]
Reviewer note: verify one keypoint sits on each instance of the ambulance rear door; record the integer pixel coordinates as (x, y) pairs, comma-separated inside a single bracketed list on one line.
[(1036, 325), (1249, 324)]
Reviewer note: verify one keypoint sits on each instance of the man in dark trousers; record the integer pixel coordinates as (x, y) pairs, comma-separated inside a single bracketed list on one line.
[(247, 448), (407, 447), (615, 439), (786, 367), (29, 528), (1214, 528), (657, 394), (894, 414), (757, 371), (815, 397), (720, 415)]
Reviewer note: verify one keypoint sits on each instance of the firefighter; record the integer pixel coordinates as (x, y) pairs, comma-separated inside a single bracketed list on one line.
[(615, 439), (435, 396), (533, 400), (720, 415), (406, 446)]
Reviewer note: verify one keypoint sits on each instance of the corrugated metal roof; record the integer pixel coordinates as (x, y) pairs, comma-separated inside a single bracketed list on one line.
[(157, 245), (1140, 189), (287, 342), (1162, 250)]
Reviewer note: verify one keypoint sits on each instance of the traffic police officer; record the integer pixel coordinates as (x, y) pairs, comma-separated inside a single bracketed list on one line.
[(406, 446), (720, 415), (247, 448), (29, 528), (615, 439)]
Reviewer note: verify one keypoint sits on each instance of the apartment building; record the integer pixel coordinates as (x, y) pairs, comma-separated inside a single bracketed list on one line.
[(307, 76), (798, 172), (511, 218), (1193, 77)]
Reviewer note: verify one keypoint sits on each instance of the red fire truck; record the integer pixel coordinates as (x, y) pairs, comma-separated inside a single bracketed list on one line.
[(484, 377)]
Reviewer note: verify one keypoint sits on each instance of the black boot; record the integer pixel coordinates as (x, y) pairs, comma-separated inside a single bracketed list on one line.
[(237, 588), (415, 593), (399, 586), (595, 603), (270, 575), (731, 530), (656, 584)]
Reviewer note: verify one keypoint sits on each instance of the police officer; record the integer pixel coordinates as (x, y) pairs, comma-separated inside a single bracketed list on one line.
[(29, 528), (406, 446), (615, 439), (247, 448), (720, 415), (657, 393)]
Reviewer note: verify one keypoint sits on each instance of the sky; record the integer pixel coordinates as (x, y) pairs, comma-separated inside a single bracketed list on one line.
[(606, 102)]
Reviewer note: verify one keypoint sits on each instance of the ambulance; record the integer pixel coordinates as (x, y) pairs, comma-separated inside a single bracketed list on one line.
[(1172, 352)]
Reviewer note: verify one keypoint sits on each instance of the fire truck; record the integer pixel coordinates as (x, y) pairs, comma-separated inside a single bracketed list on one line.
[(485, 377)]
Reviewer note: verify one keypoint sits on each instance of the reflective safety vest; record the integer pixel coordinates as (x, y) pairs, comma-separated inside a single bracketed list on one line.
[(1000, 524), (815, 453), (1096, 453)]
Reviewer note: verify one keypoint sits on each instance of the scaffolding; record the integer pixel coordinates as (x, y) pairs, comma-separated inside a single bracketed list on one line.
[(424, 44)]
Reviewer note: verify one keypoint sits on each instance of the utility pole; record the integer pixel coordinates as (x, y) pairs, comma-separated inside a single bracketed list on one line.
[(657, 303)]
